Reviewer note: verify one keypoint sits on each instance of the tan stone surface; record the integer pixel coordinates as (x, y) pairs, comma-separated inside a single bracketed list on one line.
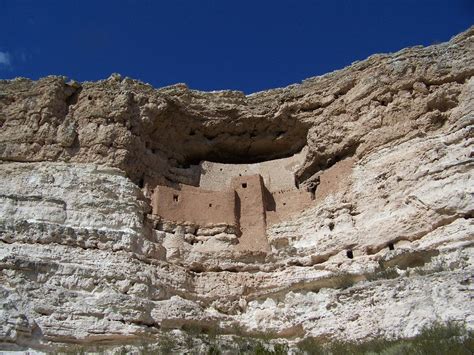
[(150, 133), (198, 206), (388, 139), (244, 208), (251, 211), (334, 179), (278, 174), (285, 204)]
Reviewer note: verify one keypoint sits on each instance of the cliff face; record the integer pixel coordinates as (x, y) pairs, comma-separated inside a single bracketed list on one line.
[(384, 249)]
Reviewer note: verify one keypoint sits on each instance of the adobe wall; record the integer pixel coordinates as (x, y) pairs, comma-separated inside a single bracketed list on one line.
[(246, 203), (281, 205), (251, 211), (334, 178), (284, 204), (192, 204), (278, 174)]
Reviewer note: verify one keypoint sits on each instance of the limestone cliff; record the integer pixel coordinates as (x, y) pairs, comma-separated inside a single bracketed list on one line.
[(384, 248)]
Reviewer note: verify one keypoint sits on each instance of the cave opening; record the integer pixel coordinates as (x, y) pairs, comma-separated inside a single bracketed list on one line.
[(224, 156), (258, 142), (331, 226)]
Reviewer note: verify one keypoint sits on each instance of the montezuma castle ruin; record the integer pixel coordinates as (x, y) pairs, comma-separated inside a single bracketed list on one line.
[(338, 208), (241, 199)]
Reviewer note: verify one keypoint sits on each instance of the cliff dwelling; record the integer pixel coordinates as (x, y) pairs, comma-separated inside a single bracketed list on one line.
[(241, 198), (339, 208)]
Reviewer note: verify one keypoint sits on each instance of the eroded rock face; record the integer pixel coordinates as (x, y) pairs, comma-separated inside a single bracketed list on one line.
[(384, 249)]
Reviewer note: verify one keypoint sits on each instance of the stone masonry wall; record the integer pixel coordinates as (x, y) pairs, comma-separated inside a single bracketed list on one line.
[(278, 174), (190, 204), (281, 205), (251, 210)]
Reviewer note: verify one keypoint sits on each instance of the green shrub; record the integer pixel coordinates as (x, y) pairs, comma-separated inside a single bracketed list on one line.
[(384, 274), (450, 339), (214, 350), (280, 349), (266, 349), (166, 344), (343, 281), (310, 346), (211, 330), (438, 339)]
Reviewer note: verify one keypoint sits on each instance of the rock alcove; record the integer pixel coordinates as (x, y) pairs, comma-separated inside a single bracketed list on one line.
[(377, 158)]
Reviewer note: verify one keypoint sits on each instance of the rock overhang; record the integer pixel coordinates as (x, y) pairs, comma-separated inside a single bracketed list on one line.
[(388, 140)]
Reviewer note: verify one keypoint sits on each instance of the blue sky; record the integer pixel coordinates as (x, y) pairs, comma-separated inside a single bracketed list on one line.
[(212, 45)]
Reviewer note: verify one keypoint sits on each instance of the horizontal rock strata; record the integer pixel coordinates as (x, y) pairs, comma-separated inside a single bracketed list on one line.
[(385, 248)]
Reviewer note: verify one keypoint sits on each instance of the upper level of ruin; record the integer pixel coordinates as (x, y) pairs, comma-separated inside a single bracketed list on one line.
[(278, 174)]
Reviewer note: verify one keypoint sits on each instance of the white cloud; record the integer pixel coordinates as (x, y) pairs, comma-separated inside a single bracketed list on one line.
[(5, 59)]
